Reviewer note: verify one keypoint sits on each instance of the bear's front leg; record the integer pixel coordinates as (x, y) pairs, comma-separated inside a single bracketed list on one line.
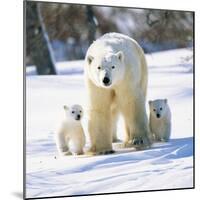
[(166, 132), (99, 119), (136, 123), (62, 144), (114, 118), (100, 133)]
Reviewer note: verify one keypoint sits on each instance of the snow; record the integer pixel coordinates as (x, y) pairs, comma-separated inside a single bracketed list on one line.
[(68, 68), (163, 166)]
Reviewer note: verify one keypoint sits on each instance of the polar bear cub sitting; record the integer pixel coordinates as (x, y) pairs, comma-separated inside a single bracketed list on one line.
[(160, 120), (70, 138)]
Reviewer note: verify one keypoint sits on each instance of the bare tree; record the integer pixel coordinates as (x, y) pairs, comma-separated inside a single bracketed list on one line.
[(37, 41), (71, 28), (172, 26), (92, 24)]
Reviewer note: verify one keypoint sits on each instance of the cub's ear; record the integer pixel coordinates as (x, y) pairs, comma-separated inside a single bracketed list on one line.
[(150, 102), (120, 55), (65, 107), (90, 59), (165, 100)]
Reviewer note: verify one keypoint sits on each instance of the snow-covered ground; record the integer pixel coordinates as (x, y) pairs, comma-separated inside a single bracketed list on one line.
[(164, 166)]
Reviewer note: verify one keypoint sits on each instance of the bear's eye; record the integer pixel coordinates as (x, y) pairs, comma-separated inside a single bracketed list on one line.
[(72, 112), (80, 111), (98, 67), (113, 67), (154, 110), (160, 108)]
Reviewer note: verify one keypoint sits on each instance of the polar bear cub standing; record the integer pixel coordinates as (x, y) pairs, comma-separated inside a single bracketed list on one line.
[(160, 119), (70, 138)]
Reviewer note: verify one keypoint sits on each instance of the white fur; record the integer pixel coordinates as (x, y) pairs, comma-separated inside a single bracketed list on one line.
[(125, 93), (160, 120), (70, 138)]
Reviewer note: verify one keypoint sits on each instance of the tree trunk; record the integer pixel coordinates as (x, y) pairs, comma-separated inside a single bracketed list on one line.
[(37, 41), (91, 23)]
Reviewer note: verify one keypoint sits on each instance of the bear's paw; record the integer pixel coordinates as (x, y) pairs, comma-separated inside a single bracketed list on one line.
[(140, 143)]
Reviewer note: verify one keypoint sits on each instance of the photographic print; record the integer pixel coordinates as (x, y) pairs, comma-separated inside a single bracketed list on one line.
[(109, 99)]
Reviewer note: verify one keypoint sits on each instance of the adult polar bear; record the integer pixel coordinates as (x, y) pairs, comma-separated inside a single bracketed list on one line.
[(116, 78)]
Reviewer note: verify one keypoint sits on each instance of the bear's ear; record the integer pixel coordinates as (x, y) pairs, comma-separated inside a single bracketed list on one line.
[(165, 100), (120, 55), (90, 59), (65, 107)]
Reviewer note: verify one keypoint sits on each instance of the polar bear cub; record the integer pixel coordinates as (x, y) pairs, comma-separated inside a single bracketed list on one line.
[(70, 138), (160, 120)]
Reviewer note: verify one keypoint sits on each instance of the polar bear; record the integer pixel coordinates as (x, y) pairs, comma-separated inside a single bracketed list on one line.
[(160, 120), (70, 138), (116, 78)]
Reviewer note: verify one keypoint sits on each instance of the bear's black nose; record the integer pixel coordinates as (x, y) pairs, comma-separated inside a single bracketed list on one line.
[(158, 115), (106, 80)]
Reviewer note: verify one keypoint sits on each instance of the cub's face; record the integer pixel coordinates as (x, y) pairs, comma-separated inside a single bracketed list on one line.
[(158, 107), (74, 112), (106, 71)]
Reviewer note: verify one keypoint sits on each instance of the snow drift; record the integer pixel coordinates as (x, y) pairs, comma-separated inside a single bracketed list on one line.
[(164, 166)]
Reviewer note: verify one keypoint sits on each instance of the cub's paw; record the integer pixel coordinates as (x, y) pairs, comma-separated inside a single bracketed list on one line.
[(161, 140), (164, 139)]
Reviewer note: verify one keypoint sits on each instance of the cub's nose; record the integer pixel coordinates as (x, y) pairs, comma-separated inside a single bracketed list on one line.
[(158, 115), (78, 117), (106, 80)]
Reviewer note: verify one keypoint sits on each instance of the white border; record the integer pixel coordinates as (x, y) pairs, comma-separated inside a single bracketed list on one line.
[(11, 16)]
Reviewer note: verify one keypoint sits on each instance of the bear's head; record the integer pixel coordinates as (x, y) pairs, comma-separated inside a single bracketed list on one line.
[(158, 107), (106, 70), (74, 112)]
